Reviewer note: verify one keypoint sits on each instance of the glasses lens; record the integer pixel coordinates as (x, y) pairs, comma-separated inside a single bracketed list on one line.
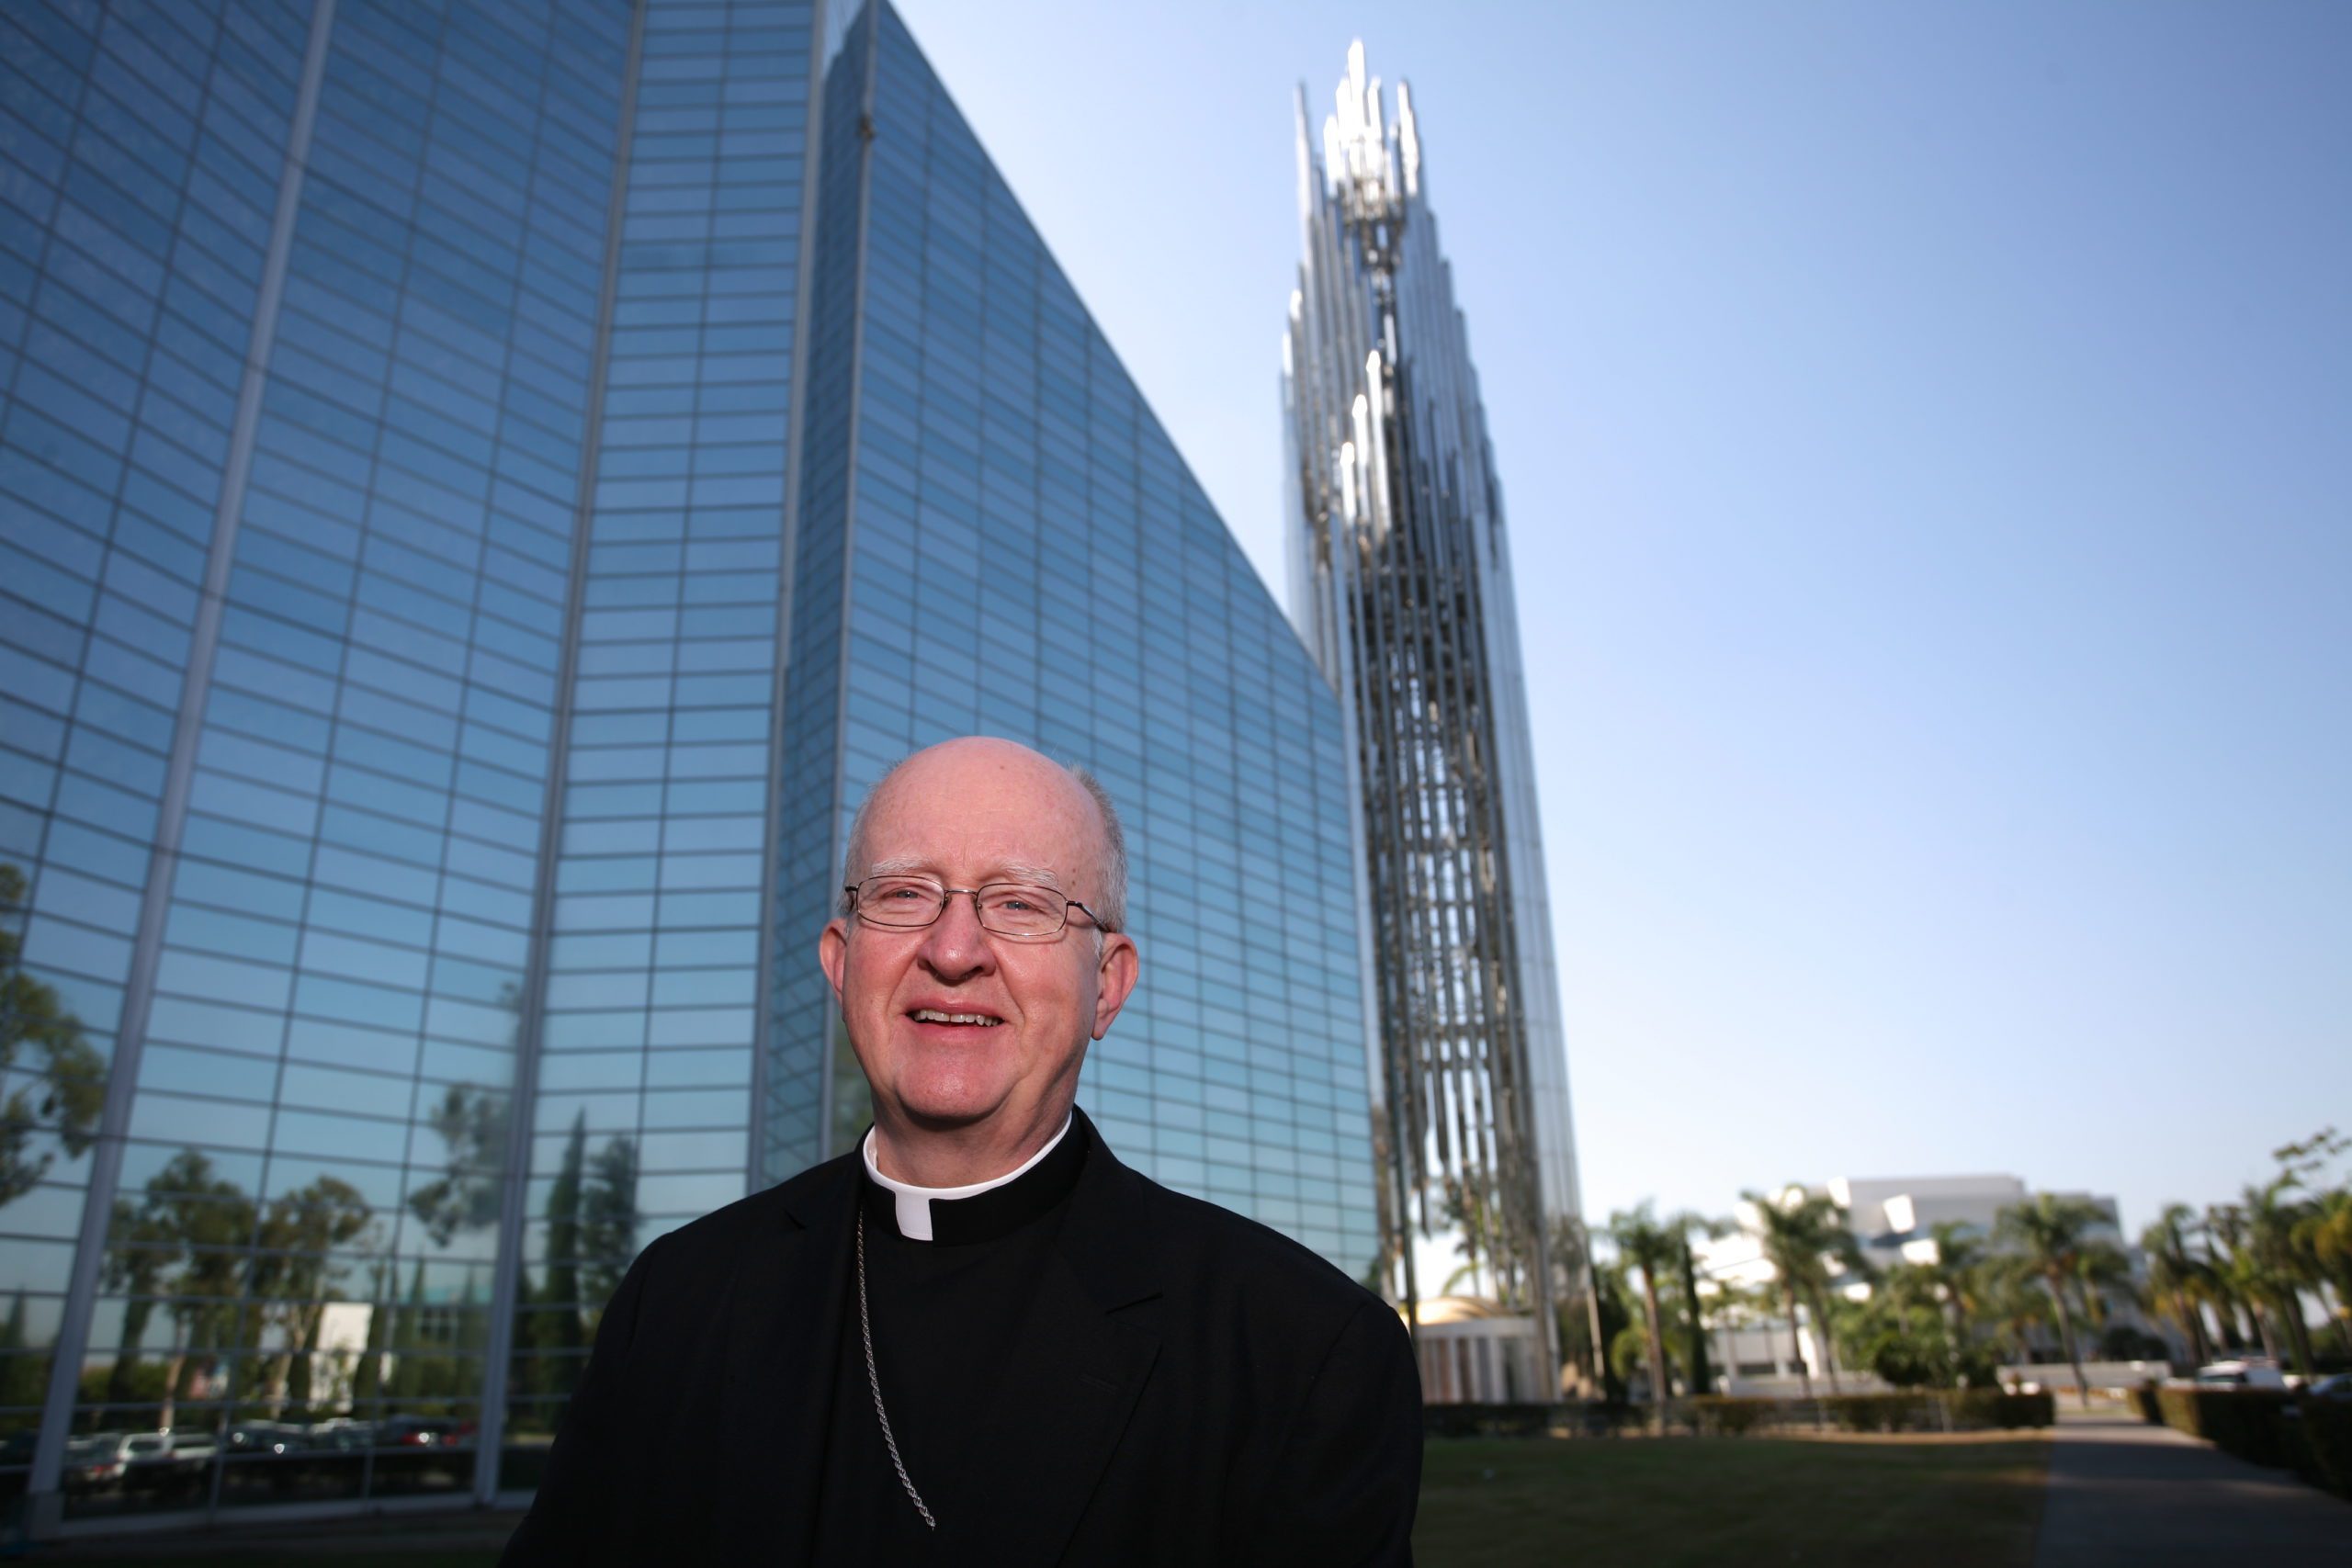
[(899, 900), (1012, 908)]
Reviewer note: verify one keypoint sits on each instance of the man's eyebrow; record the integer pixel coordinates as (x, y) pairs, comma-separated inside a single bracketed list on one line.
[(901, 865)]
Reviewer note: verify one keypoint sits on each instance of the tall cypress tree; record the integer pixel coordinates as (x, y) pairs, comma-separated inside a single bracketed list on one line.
[(1701, 1377), (563, 1242)]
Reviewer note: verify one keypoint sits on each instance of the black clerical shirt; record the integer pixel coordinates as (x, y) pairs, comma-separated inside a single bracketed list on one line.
[(945, 1315), (1085, 1369)]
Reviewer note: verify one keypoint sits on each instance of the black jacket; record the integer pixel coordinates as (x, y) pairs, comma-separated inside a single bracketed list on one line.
[(1195, 1388)]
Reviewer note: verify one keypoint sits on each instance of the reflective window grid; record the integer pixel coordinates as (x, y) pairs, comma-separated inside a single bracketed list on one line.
[(458, 505)]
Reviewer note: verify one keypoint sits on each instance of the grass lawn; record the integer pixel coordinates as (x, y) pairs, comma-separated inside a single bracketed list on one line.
[(316, 1557), (1922, 1502)]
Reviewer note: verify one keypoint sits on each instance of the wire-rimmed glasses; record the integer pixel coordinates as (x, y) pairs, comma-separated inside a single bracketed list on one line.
[(1020, 909)]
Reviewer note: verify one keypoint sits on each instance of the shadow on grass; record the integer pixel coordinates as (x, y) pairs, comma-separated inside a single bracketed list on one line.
[(1950, 1504)]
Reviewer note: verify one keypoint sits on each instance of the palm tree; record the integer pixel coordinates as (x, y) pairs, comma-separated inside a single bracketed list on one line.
[(2324, 1234), (1577, 1279), (2240, 1313), (2050, 1235), (2277, 1272), (1644, 1243), (1467, 1207), (2175, 1277), (2015, 1300), (1801, 1235), (2101, 1268), (1959, 1271)]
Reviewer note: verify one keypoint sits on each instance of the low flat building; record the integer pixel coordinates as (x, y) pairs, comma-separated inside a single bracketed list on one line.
[(1474, 1351)]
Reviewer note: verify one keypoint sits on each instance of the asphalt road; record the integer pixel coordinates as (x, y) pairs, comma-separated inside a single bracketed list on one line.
[(2126, 1495)]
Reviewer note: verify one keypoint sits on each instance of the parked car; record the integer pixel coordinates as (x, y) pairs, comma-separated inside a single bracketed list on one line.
[(2247, 1372), (276, 1439), (2335, 1386), (172, 1463), (96, 1463), (338, 1435), (16, 1464), (423, 1432)]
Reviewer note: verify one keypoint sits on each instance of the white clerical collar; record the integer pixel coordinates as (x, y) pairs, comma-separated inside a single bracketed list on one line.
[(914, 1202)]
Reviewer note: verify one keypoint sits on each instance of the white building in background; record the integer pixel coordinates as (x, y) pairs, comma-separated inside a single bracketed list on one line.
[(1892, 1221)]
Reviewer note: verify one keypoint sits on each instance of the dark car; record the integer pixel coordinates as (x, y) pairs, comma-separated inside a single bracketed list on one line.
[(16, 1461), (276, 1439), (423, 1432)]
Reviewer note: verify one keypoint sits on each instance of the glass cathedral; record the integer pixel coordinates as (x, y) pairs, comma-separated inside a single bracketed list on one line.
[(466, 475)]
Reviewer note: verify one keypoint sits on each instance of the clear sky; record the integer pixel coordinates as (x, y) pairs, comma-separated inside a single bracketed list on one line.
[(1926, 435)]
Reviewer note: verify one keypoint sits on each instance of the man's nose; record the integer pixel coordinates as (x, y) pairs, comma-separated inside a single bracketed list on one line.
[(955, 947)]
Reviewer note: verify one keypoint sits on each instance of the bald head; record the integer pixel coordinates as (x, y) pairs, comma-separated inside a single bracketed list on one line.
[(980, 767)]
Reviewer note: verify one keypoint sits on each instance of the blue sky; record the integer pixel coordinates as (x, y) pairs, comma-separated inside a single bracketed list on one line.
[(1926, 434)]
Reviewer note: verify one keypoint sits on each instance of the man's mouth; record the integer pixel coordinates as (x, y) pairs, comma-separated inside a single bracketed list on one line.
[(970, 1020)]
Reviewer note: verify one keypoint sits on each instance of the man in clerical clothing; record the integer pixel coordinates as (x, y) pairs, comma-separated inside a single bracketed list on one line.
[(977, 1337)]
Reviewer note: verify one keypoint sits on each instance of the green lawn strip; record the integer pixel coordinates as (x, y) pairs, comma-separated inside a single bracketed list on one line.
[(313, 1557), (1659, 1503)]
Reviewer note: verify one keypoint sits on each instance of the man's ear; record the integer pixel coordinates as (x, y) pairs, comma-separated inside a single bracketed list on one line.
[(833, 952), (1115, 975)]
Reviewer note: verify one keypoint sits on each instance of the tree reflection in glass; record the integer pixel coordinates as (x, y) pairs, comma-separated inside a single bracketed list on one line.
[(68, 1085), (295, 1273)]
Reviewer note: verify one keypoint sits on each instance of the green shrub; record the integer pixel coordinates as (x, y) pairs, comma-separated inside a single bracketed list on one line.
[(2248, 1422), (1724, 1415), (1876, 1412), (2321, 1443), (1919, 1410), (1991, 1407), (1486, 1420), (2262, 1425)]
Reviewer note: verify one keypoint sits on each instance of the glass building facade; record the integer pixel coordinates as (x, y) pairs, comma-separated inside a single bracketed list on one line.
[(462, 469)]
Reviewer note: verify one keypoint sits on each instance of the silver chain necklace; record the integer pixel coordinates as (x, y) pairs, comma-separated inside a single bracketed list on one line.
[(873, 1379)]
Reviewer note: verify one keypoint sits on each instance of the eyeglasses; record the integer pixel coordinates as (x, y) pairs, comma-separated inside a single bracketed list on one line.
[(1007, 908)]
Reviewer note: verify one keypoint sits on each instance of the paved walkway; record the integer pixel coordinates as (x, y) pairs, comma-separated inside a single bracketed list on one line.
[(2126, 1495)]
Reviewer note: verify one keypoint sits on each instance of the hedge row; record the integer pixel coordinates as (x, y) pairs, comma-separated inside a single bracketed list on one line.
[(1932, 1410), (2321, 1449), (2269, 1427), (1490, 1420), (2247, 1422), (1921, 1410), (1926, 1410)]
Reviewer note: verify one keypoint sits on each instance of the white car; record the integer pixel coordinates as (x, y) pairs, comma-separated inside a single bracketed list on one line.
[(2250, 1373), (95, 1461)]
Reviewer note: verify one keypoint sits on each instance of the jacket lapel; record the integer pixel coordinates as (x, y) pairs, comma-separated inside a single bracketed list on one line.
[(1071, 1378)]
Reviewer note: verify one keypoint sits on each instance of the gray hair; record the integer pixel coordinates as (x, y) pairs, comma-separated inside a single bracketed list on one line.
[(1109, 907)]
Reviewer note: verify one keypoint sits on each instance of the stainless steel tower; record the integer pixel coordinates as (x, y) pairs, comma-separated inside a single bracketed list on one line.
[(1400, 581)]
